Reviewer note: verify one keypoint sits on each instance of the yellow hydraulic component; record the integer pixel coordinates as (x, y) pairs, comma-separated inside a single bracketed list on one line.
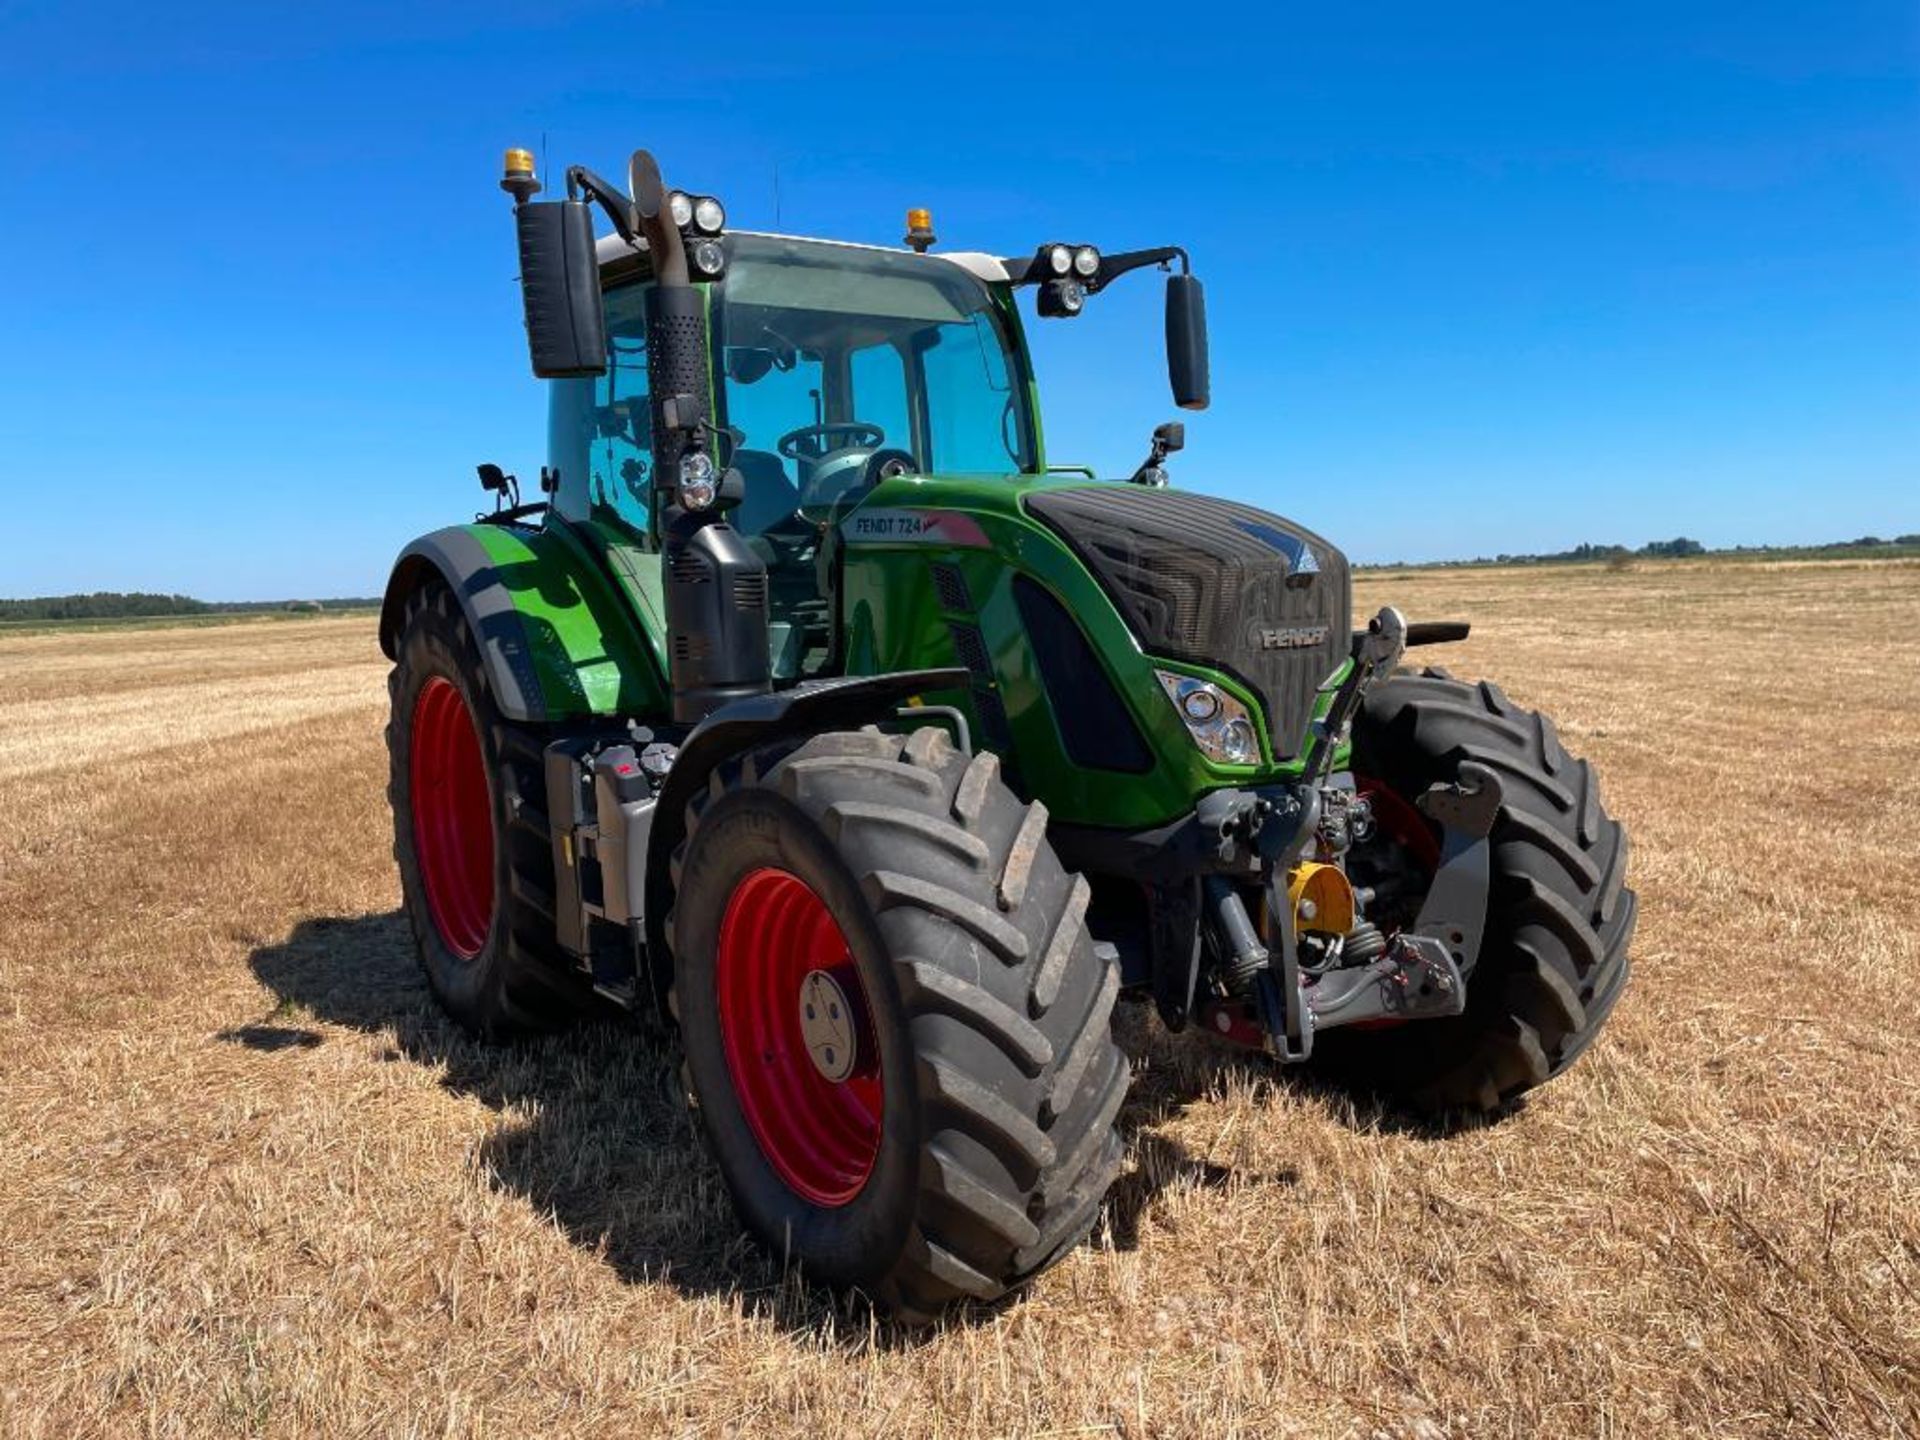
[(1322, 898)]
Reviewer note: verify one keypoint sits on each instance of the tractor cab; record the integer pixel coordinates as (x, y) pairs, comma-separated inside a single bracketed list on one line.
[(833, 367)]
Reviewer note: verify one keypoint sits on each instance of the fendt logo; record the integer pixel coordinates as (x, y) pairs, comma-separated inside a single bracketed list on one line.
[(1292, 637)]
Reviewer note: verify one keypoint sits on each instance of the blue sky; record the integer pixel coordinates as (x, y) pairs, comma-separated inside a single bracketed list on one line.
[(1480, 277)]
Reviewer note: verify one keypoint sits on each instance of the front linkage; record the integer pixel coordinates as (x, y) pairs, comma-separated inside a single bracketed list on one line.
[(1276, 985)]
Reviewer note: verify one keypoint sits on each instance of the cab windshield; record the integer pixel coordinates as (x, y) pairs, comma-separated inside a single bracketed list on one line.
[(841, 365), (835, 366)]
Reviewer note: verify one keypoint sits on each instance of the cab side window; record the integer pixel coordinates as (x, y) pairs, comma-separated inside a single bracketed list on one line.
[(879, 378), (976, 425), (600, 429)]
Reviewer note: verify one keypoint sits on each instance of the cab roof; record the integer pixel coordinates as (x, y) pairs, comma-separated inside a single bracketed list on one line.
[(612, 249)]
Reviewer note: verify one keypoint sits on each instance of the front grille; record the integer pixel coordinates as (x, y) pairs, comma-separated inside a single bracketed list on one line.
[(1214, 583)]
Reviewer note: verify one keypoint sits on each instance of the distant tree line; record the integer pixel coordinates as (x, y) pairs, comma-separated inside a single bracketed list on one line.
[(1681, 547), (130, 605)]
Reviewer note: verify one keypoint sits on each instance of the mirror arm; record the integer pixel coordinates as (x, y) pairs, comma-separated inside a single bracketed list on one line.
[(616, 205), (1112, 267), (642, 223)]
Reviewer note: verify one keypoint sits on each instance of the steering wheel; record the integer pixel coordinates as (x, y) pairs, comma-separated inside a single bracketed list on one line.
[(811, 442)]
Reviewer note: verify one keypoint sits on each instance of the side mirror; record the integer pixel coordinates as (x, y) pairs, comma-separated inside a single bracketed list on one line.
[(560, 285), (1187, 342)]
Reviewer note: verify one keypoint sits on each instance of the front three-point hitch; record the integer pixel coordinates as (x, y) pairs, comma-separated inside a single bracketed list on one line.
[(1317, 962)]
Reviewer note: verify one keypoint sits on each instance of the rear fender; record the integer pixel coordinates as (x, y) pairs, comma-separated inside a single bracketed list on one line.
[(557, 640)]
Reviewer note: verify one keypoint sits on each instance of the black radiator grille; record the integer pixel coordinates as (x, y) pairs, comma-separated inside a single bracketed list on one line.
[(970, 648), (950, 588), (1215, 583)]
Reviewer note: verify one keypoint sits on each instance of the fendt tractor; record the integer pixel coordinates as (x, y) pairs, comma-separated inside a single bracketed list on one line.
[(811, 714)]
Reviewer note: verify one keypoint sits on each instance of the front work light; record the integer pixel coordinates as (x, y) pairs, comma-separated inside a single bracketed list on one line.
[(1062, 298), (699, 481), (709, 218), (1086, 262)]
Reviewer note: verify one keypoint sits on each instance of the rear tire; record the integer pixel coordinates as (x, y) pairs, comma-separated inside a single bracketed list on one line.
[(482, 922), (1553, 961), (988, 1010)]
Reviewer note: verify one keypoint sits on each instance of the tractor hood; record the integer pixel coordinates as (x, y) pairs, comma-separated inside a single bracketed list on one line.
[(1213, 583)]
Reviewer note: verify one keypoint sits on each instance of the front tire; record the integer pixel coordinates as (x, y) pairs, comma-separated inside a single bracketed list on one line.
[(470, 833), (970, 1140), (1553, 958)]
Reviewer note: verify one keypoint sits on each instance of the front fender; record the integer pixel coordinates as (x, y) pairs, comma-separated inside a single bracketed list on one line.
[(556, 638), (841, 703)]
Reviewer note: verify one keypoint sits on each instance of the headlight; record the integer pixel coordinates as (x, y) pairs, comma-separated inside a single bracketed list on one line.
[(1238, 744), (698, 482), (708, 257), (1218, 723), (1200, 703), (708, 216), (1059, 259), (1086, 261), (680, 207)]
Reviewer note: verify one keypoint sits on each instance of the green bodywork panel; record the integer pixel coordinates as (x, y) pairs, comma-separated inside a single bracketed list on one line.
[(590, 603), (894, 621), (585, 626)]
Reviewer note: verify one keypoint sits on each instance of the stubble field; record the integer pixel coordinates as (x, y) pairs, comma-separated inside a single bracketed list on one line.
[(250, 1182)]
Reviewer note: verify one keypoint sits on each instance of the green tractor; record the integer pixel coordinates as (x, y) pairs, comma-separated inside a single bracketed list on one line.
[(810, 712)]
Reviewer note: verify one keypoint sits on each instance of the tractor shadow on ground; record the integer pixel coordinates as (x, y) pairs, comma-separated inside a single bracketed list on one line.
[(1174, 1072), (606, 1147)]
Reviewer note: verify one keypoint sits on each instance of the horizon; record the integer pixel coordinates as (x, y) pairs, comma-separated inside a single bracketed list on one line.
[(1473, 289), (1601, 551)]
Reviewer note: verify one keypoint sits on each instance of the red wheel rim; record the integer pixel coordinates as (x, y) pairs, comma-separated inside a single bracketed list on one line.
[(452, 817), (821, 1135)]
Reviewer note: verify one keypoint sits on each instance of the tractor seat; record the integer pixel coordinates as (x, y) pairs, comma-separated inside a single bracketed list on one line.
[(771, 496)]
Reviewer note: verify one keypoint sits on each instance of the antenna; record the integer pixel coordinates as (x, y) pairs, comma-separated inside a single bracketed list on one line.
[(776, 195)]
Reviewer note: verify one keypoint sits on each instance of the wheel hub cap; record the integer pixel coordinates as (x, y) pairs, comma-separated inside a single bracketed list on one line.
[(826, 1023)]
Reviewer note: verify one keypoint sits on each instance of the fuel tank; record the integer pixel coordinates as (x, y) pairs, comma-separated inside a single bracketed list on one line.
[(1216, 583)]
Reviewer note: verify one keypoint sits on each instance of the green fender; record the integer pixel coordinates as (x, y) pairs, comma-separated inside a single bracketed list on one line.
[(557, 638)]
